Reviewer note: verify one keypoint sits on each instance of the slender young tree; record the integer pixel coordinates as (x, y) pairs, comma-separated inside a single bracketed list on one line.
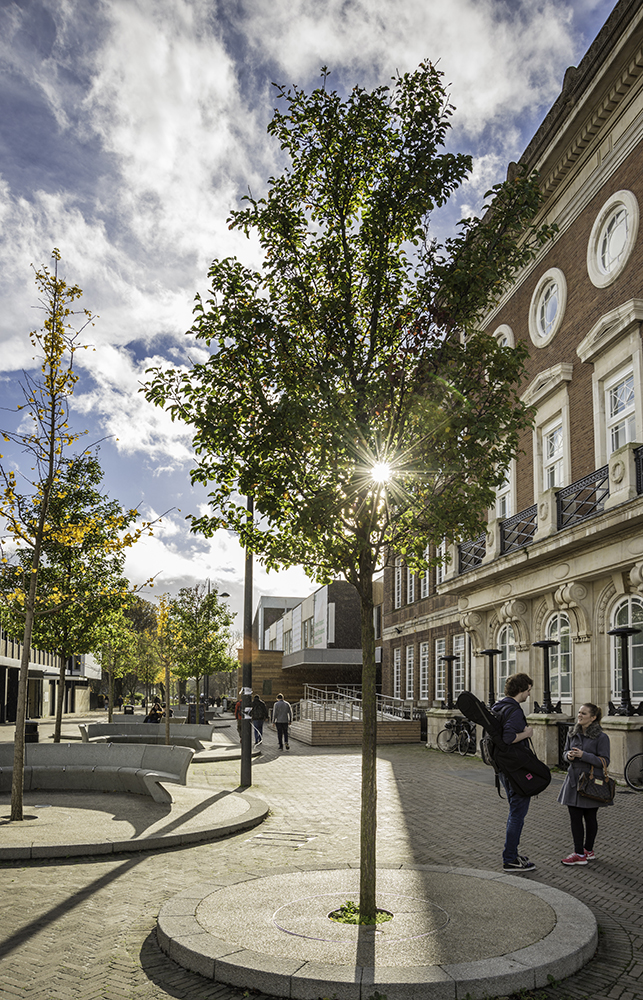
[(26, 498), (81, 575), (201, 624), (350, 389)]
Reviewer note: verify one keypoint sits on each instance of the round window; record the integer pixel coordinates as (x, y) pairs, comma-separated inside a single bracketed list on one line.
[(612, 238), (547, 307)]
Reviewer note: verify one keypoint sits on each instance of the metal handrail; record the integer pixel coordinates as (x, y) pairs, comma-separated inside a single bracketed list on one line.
[(324, 705)]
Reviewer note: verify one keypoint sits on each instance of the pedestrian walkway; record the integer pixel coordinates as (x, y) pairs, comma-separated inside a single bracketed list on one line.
[(86, 927)]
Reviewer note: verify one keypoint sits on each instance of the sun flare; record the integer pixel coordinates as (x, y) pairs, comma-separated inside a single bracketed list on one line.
[(381, 472)]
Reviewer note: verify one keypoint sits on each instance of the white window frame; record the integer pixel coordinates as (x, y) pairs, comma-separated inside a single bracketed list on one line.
[(441, 567), (410, 673), (599, 275), (560, 658), (612, 346), (539, 335), (440, 651), (397, 673), (425, 579), (506, 662), (624, 420), (425, 659), (410, 587), (628, 611), (397, 592), (553, 435), (505, 501), (504, 335), (549, 394), (459, 665)]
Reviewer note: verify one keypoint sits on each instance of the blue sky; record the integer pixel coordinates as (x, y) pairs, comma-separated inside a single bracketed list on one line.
[(130, 128)]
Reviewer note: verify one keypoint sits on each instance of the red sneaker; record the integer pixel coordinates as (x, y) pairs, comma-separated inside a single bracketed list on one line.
[(590, 855), (575, 859)]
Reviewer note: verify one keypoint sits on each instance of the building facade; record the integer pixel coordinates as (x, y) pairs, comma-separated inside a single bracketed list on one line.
[(562, 555), (43, 687)]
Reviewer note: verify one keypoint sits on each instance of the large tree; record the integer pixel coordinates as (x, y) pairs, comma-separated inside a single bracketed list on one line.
[(350, 390)]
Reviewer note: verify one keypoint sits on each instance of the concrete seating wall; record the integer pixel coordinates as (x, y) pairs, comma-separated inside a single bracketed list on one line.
[(146, 729), (97, 767), (119, 718)]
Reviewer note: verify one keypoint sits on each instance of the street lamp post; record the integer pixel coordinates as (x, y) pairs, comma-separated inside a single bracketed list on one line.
[(624, 633), (246, 673), (546, 707), (448, 671), (491, 653)]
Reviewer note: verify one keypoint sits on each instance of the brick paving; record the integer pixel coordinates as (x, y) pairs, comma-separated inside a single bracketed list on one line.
[(84, 928)]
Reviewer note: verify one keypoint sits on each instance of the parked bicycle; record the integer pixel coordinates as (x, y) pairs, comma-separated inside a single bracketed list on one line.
[(458, 734), (634, 772)]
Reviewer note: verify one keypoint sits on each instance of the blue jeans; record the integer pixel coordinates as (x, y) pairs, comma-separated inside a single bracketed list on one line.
[(518, 807), (258, 728)]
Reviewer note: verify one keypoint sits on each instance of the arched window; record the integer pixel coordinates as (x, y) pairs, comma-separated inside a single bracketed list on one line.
[(628, 612), (507, 660), (560, 658)]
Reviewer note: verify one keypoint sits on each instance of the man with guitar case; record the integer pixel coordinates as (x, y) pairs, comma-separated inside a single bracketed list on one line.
[(516, 765)]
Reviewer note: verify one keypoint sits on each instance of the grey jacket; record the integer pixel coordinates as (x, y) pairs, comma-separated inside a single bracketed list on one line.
[(281, 712), (595, 744)]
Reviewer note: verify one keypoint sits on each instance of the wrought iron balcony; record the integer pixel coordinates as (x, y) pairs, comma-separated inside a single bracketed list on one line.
[(519, 530), (472, 553), (584, 498)]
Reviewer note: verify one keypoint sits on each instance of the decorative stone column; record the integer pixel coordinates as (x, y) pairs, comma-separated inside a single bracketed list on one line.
[(545, 738), (626, 739), (622, 476)]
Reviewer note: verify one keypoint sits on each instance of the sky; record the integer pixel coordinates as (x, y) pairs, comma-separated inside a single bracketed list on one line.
[(128, 131)]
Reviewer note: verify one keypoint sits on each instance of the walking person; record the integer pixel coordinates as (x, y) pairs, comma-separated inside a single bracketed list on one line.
[(259, 715), (281, 716), (238, 714), (514, 729), (587, 746)]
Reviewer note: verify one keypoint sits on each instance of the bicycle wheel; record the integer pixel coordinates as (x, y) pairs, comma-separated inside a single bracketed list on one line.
[(463, 744), (447, 740), (634, 772)]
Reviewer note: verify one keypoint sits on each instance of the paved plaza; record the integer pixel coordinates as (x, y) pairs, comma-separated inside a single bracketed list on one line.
[(85, 927)]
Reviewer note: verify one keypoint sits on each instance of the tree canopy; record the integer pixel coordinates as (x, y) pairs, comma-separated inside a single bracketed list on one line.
[(350, 388)]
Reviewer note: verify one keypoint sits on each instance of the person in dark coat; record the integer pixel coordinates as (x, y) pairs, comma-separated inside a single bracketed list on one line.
[(259, 715), (586, 745)]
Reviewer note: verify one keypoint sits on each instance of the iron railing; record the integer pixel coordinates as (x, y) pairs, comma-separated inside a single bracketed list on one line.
[(584, 498), (519, 530), (472, 553), (638, 464), (324, 705)]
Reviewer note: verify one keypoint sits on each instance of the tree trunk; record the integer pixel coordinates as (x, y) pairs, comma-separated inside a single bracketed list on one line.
[(18, 777), (60, 700), (368, 831), (167, 701), (110, 674)]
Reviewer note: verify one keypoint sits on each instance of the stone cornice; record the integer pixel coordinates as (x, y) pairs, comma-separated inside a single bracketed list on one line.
[(609, 327), (546, 382)]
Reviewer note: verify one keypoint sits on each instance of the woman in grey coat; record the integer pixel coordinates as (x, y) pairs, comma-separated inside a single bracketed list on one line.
[(585, 746)]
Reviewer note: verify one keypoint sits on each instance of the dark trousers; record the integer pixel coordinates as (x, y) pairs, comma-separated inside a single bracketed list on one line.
[(258, 728), (282, 733), (584, 837), (518, 807)]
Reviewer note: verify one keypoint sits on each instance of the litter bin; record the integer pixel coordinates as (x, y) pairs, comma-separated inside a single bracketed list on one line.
[(128, 710), (31, 732)]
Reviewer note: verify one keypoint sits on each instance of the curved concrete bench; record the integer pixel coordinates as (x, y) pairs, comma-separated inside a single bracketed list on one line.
[(155, 738), (90, 730), (97, 767), (119, 718)]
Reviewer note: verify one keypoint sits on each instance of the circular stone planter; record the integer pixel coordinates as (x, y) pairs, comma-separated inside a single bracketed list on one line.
[(454, 931)]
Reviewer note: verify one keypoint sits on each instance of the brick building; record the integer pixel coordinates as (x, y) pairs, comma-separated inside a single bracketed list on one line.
[(562, 556)]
